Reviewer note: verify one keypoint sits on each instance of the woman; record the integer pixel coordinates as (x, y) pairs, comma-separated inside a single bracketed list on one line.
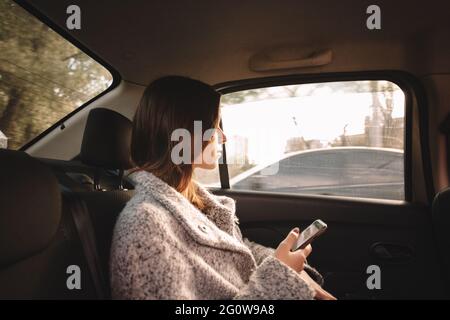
[(176, 240)]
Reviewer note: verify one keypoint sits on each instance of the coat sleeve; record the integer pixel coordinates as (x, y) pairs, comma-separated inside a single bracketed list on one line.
[(154, 267), (261, 252), (164, 273), (272, 279)]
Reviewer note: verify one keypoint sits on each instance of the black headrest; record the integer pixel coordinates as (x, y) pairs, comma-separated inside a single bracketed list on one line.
[(30, 206), (106, 140)]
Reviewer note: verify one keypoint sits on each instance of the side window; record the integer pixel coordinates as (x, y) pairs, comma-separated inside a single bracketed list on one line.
[(208, 178), (43, 77), (337, 138)]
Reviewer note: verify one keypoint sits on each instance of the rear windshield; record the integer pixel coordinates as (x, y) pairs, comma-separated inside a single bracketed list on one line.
[(43, 77)]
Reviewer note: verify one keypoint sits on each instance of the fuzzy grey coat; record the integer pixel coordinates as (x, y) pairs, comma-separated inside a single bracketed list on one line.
[(165, 248)]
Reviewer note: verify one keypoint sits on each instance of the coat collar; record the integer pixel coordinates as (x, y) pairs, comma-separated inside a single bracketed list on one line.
[(214, 227)]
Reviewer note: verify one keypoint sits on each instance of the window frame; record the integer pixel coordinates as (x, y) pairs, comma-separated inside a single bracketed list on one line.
[(116, 77), (412, 89)]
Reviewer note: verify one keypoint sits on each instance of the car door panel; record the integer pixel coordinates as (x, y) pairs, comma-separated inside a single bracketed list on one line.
[(394, 235)]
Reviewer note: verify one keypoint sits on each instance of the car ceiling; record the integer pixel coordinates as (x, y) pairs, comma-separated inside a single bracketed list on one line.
[(213, 40)]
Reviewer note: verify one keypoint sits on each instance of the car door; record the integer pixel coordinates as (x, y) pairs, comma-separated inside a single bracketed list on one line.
[(378, 245)]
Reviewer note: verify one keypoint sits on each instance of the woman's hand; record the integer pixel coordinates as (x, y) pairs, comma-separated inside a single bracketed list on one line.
[(320, 293), (297, 259)]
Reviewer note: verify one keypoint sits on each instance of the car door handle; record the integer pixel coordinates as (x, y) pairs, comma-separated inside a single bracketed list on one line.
[(392, 252)]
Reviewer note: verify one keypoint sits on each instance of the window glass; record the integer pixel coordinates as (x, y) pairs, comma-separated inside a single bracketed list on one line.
[(337, 138), (208, 177), (43, 77)]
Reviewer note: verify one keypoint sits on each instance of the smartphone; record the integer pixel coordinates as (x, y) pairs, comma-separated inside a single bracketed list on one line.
[(309, 234)]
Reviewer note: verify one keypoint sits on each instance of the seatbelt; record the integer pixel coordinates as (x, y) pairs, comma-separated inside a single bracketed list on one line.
[(85, 229)]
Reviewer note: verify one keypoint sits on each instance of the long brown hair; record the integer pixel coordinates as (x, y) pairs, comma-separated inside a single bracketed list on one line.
[(170, 103)]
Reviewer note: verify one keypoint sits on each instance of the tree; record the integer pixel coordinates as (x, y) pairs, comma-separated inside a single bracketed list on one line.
[(43, 77)]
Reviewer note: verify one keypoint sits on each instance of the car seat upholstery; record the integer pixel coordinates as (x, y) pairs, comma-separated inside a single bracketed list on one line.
[(106, 145), (38, 239)]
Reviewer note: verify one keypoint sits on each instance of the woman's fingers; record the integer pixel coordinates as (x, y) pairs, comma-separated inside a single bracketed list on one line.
[(319, 292), (302, 254), (289, 241), (295, 260), (307, 250), (322, 294)]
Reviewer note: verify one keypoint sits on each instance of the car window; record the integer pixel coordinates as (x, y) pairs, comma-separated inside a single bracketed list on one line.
[(43, 77), (207, 177), (337, 138)]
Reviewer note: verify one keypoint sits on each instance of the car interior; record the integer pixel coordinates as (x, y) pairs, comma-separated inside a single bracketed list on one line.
[(63, 187)]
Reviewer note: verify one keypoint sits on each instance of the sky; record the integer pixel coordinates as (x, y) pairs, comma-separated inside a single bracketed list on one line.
[(269, 123)]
